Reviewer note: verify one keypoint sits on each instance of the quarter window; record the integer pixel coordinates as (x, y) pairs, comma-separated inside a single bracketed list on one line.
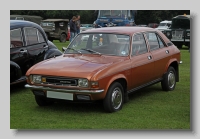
[(155, 41), (138, 45), (16, 38), (33, 36), (160, 42), (41, 38)]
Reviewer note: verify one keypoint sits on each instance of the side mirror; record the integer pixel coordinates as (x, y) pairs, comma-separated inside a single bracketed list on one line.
[(63, 49)]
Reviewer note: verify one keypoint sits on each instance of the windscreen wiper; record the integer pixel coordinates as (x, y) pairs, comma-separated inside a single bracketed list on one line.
[(74, 50), (90, 50)]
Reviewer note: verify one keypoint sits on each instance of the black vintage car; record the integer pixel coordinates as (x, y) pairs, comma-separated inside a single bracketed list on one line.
[(179, 32), (28, 46)]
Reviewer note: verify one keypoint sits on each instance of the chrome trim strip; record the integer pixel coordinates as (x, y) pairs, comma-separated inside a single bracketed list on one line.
[(33, 87)]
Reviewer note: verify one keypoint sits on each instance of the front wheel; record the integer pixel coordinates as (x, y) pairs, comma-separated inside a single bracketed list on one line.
[(114, 98), (169, 81), (43, 101)]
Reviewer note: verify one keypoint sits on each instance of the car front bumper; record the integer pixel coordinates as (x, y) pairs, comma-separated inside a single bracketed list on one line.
[(33, 87)]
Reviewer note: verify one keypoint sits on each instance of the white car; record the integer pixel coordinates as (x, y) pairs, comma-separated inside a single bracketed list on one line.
[(164, 25)]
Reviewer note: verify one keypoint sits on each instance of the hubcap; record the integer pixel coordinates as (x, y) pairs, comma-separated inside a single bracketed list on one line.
[(171, 79), (116, 98)]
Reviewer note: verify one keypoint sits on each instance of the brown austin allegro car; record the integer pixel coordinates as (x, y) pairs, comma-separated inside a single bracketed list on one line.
[(108, 64)]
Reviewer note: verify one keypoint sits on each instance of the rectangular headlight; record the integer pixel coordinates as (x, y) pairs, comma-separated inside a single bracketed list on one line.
[(82, 82), (36, 79)]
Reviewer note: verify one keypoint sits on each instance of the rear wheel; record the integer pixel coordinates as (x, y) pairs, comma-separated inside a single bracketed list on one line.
[(169, 81), (43, 101), (63, 38), (114, 98)]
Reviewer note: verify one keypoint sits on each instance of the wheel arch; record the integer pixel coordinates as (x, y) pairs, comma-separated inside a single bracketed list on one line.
[(174, 63), (119, 78), (52, 52)]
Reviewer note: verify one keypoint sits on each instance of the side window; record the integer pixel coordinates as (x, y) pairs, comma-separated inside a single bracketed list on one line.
[(153, 41), (31, 36), (16, 38), (160, 42), (138, 45), (41, 38)]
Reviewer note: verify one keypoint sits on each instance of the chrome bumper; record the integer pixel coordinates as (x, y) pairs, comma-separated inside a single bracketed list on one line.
[(33, 87)]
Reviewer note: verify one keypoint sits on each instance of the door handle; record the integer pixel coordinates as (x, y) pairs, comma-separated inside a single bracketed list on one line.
[(45, 46), (23, 51), (149, 57), (167, 51)]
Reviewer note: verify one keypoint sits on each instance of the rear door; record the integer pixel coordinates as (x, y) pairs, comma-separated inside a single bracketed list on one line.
[(36, 44), (160, 52)]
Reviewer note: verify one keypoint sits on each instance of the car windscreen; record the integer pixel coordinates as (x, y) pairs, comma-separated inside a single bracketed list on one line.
[(101, 44), (113, 13), (162, 24), (47, 24)]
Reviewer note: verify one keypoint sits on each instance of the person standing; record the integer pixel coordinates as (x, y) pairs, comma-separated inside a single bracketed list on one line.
[(73, 28), (78, 23)]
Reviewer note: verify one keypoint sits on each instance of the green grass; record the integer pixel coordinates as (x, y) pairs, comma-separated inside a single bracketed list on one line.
[(149, 108)]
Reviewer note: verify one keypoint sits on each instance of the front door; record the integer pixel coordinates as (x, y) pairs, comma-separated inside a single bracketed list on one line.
[(142, 62)]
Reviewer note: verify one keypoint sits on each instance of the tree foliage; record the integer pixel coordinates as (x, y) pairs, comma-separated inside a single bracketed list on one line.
[(89, 16)]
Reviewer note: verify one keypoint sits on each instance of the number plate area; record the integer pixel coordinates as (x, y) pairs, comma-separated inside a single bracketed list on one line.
[(59, 95)]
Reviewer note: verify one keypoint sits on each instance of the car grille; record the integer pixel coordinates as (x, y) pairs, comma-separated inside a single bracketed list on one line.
[(59, 81), (177, 34)]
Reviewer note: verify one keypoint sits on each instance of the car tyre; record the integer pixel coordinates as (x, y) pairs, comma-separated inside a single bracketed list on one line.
[(114, 98), (169, 81), (43, 101), (63, 38)]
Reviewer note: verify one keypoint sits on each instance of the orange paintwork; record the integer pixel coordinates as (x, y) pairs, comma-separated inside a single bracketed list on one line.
[(134, 70)]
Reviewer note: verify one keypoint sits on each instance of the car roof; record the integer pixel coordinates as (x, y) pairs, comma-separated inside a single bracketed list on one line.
[(25, 16), (166, 21), (56, 20), (119, 30), (23, 23), (182, 17)]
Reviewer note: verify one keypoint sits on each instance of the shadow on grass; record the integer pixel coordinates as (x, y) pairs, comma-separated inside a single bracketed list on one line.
[(17, 88), (76, 107)]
